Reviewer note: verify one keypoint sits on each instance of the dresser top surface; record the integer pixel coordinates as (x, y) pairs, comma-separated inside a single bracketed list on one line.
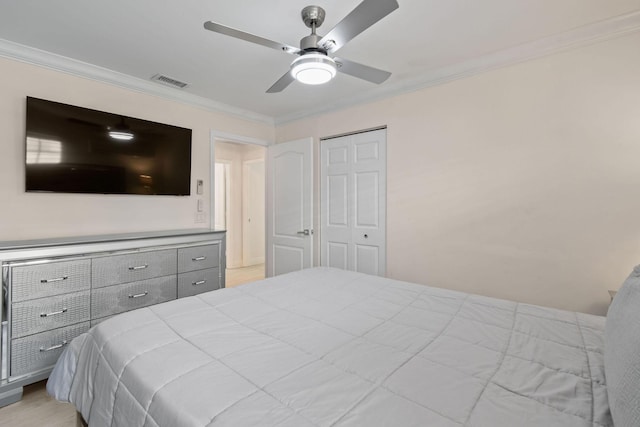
[(62, 241)]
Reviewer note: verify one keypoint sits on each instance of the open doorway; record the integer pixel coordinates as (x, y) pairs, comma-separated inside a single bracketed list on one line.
[(239, 208)]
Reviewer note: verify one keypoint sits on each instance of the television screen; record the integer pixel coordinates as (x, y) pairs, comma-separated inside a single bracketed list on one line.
[(77, 150)]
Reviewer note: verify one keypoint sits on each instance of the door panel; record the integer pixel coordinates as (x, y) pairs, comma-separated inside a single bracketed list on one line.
[(337, 156), (366, 199), (366, 150), (289, 207), (353, 202), (288, 193), (366, 259), (337, 254), (289, 258), (337, 189)]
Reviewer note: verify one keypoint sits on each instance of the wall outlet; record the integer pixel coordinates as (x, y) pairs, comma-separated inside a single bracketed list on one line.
[(200, 218)]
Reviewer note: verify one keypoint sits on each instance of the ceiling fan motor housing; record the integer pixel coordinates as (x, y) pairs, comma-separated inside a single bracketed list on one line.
[(310, 43), (313, 16)]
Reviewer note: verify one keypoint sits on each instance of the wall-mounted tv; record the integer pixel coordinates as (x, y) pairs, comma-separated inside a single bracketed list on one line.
[(78, 150)]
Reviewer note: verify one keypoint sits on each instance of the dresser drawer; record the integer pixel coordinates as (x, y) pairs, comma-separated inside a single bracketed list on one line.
[(196, 282), (120, 298), (117, 269), (198, 257), (53, 278), (43, 314), (39, 351)]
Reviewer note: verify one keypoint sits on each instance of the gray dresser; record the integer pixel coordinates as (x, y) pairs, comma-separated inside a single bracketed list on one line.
[(53, 290)]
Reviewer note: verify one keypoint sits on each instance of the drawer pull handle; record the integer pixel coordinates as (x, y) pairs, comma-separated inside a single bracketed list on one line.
[(200, 258), (57, 279), (199, 282), (64, 310), (53, 347), (144, 294), (139, 267)]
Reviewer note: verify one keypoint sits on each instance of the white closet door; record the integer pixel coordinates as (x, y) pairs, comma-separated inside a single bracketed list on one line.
[(353, 202)]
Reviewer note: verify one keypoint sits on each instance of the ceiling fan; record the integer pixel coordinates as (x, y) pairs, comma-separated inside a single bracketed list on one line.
[(315, 63), (119, 131)]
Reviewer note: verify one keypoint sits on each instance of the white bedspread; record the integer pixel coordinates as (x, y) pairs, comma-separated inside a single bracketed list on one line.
[(326, 347)]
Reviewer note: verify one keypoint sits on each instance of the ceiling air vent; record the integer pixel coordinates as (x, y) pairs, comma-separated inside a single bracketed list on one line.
[(169, 81)]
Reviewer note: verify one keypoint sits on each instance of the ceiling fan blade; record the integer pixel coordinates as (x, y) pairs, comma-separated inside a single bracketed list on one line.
[(228, 31), (364, 72), (282, 83), (362, 17)]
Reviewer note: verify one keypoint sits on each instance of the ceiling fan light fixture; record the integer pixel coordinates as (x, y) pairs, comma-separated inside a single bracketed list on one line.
[(121, 135), (121, 131), (313, 69)]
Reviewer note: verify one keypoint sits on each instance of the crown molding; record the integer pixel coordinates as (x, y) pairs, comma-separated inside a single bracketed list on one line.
[(239, 139), (74, 67), (572, 39)]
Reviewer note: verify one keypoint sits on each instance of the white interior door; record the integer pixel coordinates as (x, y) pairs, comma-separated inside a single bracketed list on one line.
[(253, 230), (353, 202), (289, 207)]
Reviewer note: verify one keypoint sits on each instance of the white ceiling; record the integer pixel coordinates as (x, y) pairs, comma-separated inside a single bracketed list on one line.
[(422, 42)]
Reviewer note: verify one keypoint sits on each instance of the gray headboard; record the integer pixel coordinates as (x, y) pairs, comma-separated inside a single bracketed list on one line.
[(622, 353)]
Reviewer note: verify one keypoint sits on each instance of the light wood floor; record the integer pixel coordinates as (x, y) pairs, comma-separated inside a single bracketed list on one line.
[(37, 408), (238, 276)]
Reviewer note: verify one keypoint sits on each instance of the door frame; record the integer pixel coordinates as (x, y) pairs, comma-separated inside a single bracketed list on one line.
[(224, 137)]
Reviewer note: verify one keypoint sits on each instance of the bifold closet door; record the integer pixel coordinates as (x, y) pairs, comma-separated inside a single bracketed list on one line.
[(353, 202)]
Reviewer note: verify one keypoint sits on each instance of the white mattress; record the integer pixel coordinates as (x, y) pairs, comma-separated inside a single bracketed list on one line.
[(326, 347)]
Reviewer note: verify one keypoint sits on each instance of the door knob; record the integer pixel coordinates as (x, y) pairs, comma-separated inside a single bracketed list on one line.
[(305, 232)]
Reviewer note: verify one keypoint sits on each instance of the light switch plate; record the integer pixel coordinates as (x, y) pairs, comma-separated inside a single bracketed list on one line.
[(199, 186)]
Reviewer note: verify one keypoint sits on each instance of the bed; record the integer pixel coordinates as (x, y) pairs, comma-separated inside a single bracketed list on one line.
[(326, 347)]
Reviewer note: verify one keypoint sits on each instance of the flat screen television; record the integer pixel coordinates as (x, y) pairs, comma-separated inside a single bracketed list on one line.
[(72, 149)]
